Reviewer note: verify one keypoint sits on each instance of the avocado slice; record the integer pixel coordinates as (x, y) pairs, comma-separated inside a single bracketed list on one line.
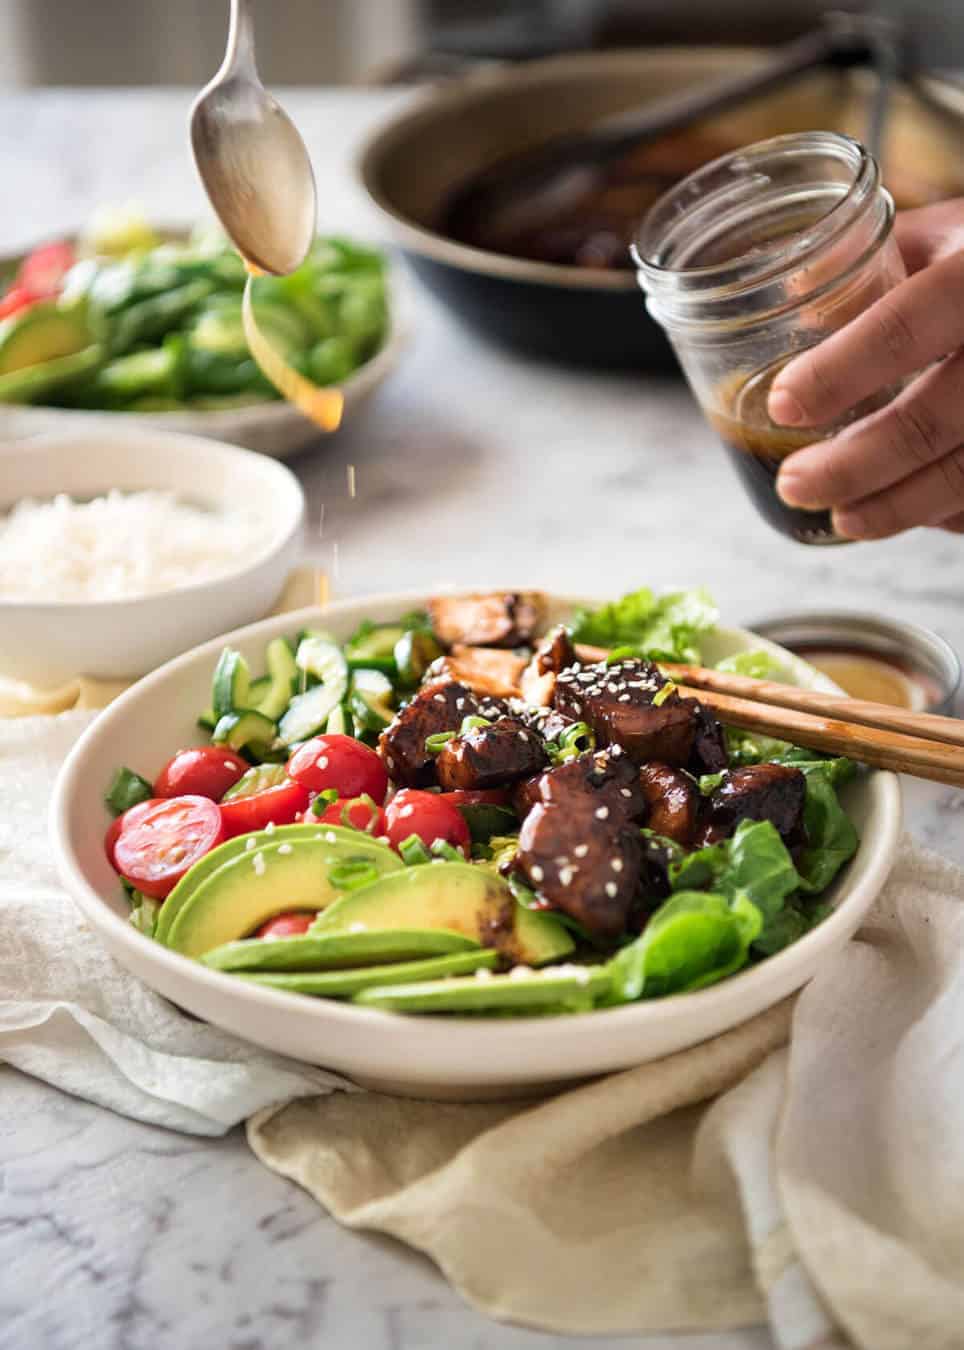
[(457, 896), (383, 857), (332, 951), (343, 983), (560, 989), (44, 332), (254, 886), (31, 383)]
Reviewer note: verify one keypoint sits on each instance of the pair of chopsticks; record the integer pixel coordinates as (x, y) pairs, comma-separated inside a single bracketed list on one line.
[(923, 745)]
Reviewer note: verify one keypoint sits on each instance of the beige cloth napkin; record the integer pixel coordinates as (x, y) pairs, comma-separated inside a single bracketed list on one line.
[(825, 1190)]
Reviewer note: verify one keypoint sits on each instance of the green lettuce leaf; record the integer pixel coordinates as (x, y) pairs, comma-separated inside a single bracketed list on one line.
[(754, 862), (757, 664), (661, 628), (832, 838), (694, 939)]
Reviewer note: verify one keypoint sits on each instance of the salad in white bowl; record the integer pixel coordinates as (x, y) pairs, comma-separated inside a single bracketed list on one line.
[(460, 810)]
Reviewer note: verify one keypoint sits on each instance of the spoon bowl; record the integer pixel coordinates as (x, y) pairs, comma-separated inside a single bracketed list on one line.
[(251, 159)]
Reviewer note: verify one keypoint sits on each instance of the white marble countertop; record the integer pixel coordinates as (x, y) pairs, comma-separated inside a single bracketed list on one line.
[(115, 1235)]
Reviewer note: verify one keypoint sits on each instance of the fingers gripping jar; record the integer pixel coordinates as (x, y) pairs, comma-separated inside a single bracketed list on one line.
[(748, 261)]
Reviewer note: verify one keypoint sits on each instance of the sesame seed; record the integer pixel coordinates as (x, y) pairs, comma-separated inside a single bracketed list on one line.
[(250, 844), (602, 812), (523, 735), (616, 864), (521, 973), (625, 792), (323, 762), (439, 698), (581, 850), (269, 828), (483, 973), (331, 837), (562, 860), (460, 704), (611, 889), (576, 667), (536, 873), (565, 875), (624, 698), (407, 811), (284, 848), (357, 928), (257, 863), (383, 839), (580, 974)]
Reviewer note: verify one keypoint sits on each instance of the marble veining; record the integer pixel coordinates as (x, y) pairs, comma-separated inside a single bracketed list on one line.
[(470, 466)]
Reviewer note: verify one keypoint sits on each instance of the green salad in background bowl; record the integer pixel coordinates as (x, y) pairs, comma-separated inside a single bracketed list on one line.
[(129, 322)]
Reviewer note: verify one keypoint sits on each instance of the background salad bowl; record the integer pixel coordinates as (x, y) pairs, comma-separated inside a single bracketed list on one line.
[(451, 1057), (165, 309)]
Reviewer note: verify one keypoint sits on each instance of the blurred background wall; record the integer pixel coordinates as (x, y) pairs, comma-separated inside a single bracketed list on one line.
[(136, 42)]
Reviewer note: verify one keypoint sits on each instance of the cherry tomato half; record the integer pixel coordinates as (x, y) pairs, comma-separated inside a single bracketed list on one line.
[(342, 763), (287, 925), (128, 817), (16, 299), (154, 851), (279, 805), (42, 272), (429, 816), (201, 771), (356, 813)]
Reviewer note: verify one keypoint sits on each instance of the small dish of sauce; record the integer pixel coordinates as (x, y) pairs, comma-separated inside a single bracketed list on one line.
[(881, 660)]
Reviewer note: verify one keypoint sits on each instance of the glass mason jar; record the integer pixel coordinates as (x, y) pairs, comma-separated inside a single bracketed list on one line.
[(748, 261)]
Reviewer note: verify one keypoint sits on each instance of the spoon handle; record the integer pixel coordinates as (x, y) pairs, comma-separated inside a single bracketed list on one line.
[(239, 53)]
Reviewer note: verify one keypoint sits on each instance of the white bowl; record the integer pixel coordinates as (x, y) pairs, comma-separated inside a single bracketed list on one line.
[(275, 428), (47, 643), (422, 1056)]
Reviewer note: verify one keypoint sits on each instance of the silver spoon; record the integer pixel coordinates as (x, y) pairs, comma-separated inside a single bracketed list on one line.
[(251, 159)]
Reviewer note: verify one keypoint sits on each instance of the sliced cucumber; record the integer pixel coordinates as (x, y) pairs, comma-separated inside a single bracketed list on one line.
[(340, 722), (414, 653), (308, 713), (370, 699), (246, 730), (374, 649), (231, 687), (258, 691), (279, 683), (256, 779)]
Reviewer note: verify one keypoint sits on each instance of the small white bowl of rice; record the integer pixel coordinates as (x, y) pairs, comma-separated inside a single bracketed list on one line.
[(120, 550)]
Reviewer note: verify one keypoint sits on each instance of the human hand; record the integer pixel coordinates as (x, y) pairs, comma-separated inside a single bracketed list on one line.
[(904, 464)]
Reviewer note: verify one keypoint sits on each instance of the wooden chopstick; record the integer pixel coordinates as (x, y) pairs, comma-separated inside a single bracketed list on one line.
[(882, 749), (949, 730), (921, 744)]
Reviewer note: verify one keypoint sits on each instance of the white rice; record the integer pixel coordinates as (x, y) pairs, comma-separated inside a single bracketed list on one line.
[(119, 546)]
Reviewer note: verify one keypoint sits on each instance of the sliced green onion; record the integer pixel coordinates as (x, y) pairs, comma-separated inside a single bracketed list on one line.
[(574, 741), (127, 788), (324, 799), (441, 848), (661, 695), (351, 876), (373, 809), (413, 852), (621, 654), (469, 723), (433, 744)]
